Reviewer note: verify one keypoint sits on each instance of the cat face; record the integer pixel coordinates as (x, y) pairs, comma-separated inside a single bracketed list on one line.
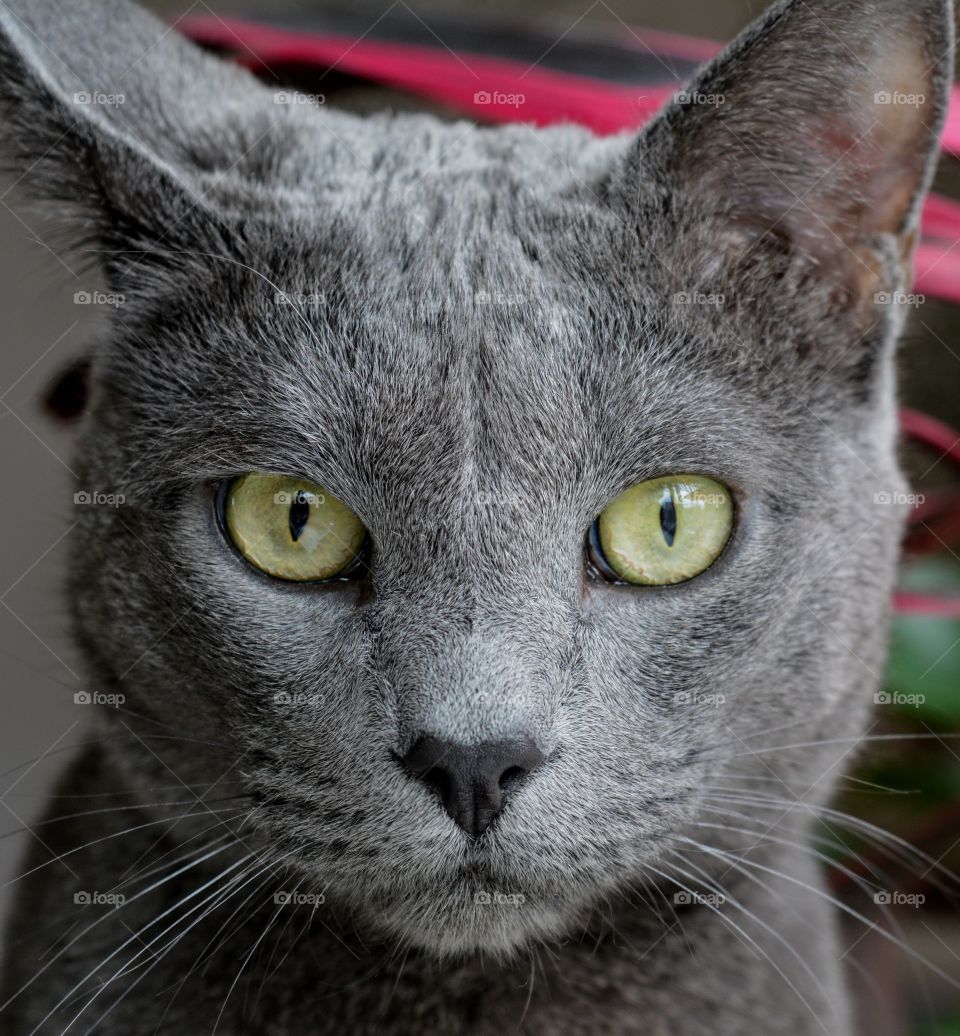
[(476, 340)]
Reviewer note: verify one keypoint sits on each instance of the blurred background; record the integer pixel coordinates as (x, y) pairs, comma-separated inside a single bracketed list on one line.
[(907, 781)]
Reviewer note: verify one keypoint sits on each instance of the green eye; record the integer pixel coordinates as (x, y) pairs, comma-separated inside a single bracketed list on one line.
[(290, 528), (663, 531)]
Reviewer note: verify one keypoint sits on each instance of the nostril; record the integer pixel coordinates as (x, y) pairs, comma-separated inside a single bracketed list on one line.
[(510, 778), (438, 782)]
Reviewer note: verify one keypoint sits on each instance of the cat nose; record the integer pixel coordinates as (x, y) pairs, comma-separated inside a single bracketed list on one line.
[(473, 782)]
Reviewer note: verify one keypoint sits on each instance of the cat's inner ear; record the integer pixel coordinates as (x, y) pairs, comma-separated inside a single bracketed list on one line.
[(816, 131)]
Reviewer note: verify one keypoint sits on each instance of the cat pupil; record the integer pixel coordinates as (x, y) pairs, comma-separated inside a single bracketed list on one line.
[(668, 518), (299, 514)]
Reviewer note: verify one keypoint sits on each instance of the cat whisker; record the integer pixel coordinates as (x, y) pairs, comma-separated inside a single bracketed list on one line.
[(779, 782), (146, 874), (113, 737), (888, 842), (750, 942), (654, 886), (59, 857), (835, 741), (804, 848), (888, 914), (139, 806), (243, 965), (147, 790), (220, 938), (210, 902), (727, 898), (215, 898), (821, 893), (264, 872), (529, 1000), (158, 866), (767, 835), (155, 885), (828, 861), (269, 971)]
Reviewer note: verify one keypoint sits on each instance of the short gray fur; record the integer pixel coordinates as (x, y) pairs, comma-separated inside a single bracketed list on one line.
[(481, 348)]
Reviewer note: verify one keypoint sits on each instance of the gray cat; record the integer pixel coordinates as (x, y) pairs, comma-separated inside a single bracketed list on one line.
[(501, 578)]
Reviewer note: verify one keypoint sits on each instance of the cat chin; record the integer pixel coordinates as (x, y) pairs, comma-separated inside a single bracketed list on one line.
[(499, 929)]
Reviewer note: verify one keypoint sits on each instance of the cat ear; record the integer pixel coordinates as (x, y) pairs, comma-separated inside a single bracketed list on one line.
[(130, 134), (814, 133)]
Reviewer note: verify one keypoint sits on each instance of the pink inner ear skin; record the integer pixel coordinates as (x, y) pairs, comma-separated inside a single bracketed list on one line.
[(904, 112)]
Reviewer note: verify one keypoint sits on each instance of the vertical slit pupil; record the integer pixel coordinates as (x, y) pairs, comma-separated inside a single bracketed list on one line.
[(668, 517), (299, 514)]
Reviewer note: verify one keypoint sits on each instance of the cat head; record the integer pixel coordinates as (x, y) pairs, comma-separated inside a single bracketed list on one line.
[(476, 341)]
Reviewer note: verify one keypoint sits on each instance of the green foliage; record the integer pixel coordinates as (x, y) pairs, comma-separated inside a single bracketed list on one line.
[(924, 663)]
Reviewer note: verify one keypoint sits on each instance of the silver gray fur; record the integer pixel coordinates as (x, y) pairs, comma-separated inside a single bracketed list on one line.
[(482, 349)]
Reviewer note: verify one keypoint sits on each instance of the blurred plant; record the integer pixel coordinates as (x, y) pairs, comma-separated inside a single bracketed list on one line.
[(908, 780)]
